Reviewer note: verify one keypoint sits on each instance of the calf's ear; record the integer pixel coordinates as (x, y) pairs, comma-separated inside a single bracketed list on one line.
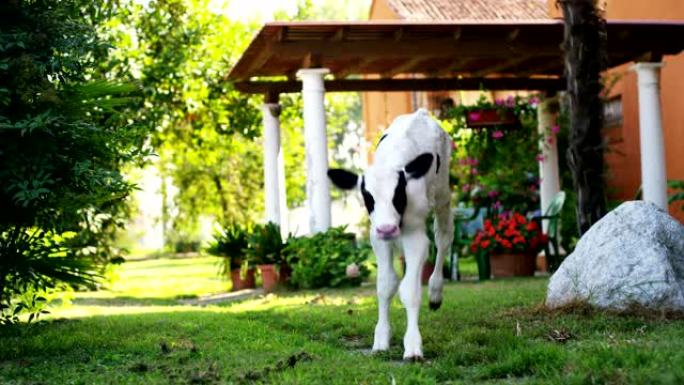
[(343, 179), (419, 166)]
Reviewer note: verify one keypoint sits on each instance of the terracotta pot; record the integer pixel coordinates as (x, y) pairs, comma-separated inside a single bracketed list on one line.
[(542, 264), (428, 268), (491, 118), (239, 283), (269, 277), (512, 265), (284, 273)]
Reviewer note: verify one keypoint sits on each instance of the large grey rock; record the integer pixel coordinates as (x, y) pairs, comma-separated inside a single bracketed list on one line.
[(632, 256)]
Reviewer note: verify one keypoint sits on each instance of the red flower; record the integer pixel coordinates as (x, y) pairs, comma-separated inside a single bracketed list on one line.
[(484, 244)]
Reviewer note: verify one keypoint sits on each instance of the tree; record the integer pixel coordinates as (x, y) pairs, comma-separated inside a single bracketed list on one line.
[(63, 143), (584, 46)]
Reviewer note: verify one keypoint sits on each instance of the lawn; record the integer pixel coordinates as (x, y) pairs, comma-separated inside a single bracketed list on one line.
[(484, 333)]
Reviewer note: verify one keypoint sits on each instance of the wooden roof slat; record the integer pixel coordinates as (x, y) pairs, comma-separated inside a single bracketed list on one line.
[(464, 48)]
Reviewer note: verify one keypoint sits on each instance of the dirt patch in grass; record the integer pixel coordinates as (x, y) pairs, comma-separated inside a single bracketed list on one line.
[(585, 309), (284, 364)]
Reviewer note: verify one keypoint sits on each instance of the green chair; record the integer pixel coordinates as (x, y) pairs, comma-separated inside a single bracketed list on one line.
[(552, 214), (461, 240)]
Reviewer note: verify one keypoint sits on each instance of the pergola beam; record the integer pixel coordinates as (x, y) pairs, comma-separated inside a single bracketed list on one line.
[(428, 84), (402, 68)]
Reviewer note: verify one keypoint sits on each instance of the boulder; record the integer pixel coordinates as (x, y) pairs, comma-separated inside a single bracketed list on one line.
[(632, 256)]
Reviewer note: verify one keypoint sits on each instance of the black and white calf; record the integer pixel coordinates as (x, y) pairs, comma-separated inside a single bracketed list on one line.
[(408, 179)]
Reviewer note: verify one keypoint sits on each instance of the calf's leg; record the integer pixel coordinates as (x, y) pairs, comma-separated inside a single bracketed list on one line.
[(386, 288), (415, 247), (444, 235)]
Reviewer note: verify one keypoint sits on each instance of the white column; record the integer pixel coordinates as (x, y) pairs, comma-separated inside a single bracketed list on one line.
[(272, 160), (548, 165), (315, 137), (653, 173), (282, 196)]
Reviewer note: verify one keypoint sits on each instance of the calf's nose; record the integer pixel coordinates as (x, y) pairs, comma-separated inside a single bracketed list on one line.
[(387, 231)]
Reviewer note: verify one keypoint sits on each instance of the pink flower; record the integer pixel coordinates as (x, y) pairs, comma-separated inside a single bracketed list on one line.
[(555, 128), (534, 101), (473, 161), (498, 134), (474, 116), (540, 158), (465, 187), (353, 270), (492, 193), (550, 139), (496, 205), (499, 102), (510, 101), (474, 171)]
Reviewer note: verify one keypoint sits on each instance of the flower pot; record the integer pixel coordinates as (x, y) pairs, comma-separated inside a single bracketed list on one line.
[(269, 277), (284, 273), (484, 269), (513, 265), (240, 283), (491, 118), (542, 264), (428, 268)]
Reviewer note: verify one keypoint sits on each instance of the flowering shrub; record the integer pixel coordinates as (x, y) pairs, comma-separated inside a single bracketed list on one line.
[(496, 166), (511, 233)]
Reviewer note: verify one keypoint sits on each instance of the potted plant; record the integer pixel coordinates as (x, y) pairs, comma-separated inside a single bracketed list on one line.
[(230, 243), (264, 246), (512, 242)]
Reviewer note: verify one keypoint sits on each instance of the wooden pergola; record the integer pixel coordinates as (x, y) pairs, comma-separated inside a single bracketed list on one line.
[(288, 57)]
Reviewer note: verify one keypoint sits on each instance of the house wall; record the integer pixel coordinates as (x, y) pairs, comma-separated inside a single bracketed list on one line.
[(623, 156)]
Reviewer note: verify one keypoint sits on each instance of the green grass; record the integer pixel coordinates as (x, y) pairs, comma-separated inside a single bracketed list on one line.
[(159, 281), (493, 332)]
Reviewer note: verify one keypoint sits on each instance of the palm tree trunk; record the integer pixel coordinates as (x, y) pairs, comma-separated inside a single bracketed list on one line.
[(584, 46)]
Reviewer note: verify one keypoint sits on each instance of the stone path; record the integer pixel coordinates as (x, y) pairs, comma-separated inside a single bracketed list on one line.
[(223, 297)]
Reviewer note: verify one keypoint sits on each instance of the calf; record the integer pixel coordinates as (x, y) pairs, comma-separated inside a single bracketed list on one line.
[(408, 179)]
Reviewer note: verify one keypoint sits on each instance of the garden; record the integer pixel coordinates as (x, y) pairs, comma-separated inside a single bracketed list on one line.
[(102, 282)]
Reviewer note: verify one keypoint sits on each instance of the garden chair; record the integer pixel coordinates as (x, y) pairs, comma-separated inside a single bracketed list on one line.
[(552, 215), (462, 217)]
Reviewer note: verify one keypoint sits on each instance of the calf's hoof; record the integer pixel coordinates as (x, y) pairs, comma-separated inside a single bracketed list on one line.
[(435, 305), (413, 358)]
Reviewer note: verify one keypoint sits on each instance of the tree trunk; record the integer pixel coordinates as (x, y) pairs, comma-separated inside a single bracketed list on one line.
[(222, 199), (584, 47)]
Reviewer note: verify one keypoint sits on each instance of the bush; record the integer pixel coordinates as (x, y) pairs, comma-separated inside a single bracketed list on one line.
[(264, 244), (64, 139), (322, 259)]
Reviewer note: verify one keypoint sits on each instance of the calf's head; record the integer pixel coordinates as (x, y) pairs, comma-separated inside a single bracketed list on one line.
[(384, 191)]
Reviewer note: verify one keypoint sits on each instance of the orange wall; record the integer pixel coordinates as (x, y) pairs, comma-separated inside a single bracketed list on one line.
[(624, 156)]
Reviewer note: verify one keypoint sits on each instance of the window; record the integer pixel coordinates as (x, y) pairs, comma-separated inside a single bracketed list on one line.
[(612, 112)]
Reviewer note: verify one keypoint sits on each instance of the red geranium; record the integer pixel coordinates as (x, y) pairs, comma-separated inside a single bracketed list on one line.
[(512, 233)]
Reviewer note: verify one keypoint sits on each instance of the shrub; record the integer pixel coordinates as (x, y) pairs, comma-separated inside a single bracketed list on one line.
[(264, 244), (64, 139), (322, 259)]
